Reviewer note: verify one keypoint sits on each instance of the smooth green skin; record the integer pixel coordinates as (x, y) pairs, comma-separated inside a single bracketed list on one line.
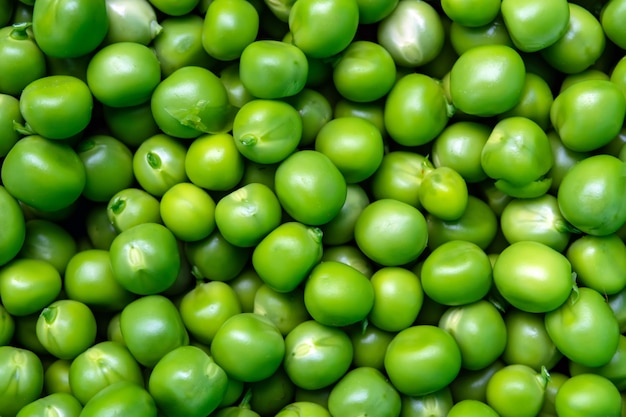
[(398, 298), (236, 412), (145, 258), (517, 153), (322, 29), (391, 233), (599, 262), (364, 72), (472, 385), (578, 108), (477, 225), (131, 21), (516, 390), (315, 111), (215, 259), (286, 255), (28, 285), (175, 8), (187, 380), (528, 342), (56, 106), (189, 102), (496, 199), (229, 26), (617, 302), (152, 327), (437, 403), (214, 163), (471, 13), (7, 327), (245, 285), (25, 335), (267, 131), (487, 80), (535, 25), (532, 276), (537, 219), (372, 111), (130, 125), (614, 370), (349, 255), (159, 164), (271, 69), (89, 279), (310, 188), (9, 113), (249, 347), (15, 393), (108, 166), (472, 408), (247, 214), (45, 174), (610, 17), (588, 74), (563, 159), (416, 110), (369, 345), (271, 394), (131, 207), (206, 307), (413, 33), (463, 38), (188, 211), (279, 15), (121, 398), (22, 60), (592, 195), (584, 328), (69, 28), (285, 310), (300, 408), (535, 103), (552, 388), (114, 331), (12, 227), (400, 176), (66, 328), (373, 11), (319, 396), (238, 95), (340, 230), (354, 145), (56, 377), (433, 350), (101, 365), (123, 74), (316, 355), (443, 193), (581, 45), (456, 273), (364, 391), (336, 294), (590, 395), (179, 44), (479, 331), (59, 405), (459, 146)]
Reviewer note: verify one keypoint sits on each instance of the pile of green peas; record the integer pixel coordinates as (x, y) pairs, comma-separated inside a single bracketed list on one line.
[(320, 208)]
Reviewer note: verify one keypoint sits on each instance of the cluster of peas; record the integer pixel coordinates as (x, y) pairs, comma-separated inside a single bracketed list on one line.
[(244, 208)]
